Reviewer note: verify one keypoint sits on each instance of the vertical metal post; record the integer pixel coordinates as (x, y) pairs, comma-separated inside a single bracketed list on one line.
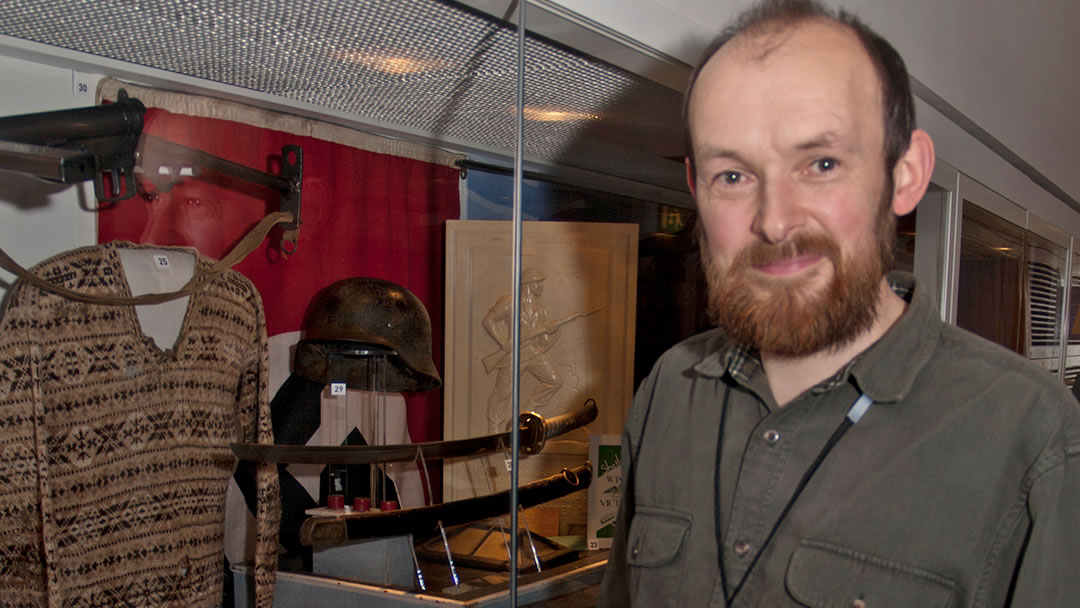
[(950, 278), (515, 306), (1066, 305)]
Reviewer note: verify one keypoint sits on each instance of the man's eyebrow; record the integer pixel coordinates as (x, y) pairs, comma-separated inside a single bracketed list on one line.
[(824, 140), (714, 152)]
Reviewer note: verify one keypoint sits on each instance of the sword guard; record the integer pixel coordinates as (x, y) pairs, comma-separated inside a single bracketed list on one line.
[(535, 430), (533, 436)]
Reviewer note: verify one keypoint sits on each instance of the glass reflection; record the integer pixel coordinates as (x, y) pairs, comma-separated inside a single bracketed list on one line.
[(1045, 265), (989, 290)]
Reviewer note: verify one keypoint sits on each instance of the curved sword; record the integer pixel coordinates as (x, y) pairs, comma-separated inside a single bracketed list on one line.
[(534, 432), (336, 529)]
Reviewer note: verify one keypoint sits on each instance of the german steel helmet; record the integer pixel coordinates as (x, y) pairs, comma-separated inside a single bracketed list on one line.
[(354, 324), (532, 275)]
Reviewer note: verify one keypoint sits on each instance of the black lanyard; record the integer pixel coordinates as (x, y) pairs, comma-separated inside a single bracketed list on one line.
[(854, 414)]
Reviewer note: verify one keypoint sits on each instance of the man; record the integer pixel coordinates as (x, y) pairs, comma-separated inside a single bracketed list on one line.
[(538, 335), (832, 442)]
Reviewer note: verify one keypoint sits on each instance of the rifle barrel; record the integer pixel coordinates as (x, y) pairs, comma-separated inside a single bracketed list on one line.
[(125, 117)]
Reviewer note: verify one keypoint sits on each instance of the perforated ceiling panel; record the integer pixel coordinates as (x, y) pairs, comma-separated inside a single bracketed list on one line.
[(423, 64)]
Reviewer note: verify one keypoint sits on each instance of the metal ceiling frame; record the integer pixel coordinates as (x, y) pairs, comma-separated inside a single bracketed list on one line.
[(94, 64)]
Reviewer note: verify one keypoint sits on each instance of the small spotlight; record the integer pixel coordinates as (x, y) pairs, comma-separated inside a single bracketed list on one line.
[(389, 63), (536, 114)]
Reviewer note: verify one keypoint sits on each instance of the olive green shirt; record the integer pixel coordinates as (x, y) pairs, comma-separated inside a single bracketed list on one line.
[(959, 487)]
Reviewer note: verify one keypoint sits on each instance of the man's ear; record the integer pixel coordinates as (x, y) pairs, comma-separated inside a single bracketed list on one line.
[(690, 177), (911, 176)]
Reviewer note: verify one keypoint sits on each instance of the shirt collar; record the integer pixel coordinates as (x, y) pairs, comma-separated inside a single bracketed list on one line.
[(885, 371)]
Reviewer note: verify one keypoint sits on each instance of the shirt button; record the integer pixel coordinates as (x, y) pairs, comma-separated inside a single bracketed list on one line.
[(771, 436), (741, 548)]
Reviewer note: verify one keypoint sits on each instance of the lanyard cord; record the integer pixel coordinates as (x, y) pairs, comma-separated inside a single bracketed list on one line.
[(716, 488), (855, 413)]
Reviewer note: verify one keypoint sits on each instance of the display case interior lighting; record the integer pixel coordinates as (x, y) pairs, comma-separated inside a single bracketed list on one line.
[(537, 114), (393, 63)]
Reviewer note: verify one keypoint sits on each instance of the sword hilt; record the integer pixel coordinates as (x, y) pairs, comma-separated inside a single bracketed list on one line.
[(535, 431)]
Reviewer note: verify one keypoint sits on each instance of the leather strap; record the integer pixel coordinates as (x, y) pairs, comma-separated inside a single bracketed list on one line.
[(241, 250)]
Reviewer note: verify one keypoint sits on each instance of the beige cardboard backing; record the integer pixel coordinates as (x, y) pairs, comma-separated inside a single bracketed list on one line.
[(590, 268)]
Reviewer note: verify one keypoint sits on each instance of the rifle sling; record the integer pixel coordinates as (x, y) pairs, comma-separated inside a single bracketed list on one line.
[(241, 250)]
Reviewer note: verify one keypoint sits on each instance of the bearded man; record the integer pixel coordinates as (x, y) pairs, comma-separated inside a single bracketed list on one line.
[(832, 442)]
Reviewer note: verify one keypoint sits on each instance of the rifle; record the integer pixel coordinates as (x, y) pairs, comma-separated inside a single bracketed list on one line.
[(70, 146), (491, 360), (81, 144)]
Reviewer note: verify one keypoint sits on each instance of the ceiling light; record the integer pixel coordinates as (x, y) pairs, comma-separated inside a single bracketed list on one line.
[(552, 115), (392, 64)]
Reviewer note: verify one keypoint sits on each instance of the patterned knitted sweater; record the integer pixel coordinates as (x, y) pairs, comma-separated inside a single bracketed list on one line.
[(114, 454)]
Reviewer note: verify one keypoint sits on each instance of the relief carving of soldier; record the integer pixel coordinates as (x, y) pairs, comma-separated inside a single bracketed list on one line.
[(538, 335)]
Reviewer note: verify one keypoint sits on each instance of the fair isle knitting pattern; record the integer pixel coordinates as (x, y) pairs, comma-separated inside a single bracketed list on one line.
[(114, 454)]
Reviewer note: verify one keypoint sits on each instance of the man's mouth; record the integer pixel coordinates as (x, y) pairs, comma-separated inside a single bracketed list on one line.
[(789, 266)]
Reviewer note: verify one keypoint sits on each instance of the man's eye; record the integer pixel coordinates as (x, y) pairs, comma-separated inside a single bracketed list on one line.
[(730, 178), (824, 165)]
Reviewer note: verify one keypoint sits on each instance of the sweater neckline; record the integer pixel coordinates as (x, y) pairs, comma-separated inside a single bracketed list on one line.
[(132, 319)]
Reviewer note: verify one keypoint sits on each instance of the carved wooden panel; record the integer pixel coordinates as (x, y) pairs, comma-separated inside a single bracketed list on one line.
[(577, 338)]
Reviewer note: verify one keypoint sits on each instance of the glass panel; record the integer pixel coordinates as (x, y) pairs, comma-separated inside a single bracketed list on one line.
[(1045, 262), (667, 261), (905, 242), (919, 240), (989, 298), (581, 247), (591, 248), (930, 230)]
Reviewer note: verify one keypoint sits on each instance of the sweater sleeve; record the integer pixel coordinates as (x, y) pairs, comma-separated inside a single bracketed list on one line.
[(22, 577), (256, 422)]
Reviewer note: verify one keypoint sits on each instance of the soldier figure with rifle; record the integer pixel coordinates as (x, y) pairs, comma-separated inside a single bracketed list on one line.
[(539, 334)]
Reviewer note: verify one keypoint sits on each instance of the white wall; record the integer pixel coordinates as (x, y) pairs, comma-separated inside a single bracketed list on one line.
[(40, 219), (1009, 67)]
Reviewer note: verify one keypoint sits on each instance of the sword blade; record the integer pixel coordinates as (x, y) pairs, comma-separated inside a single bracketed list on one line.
[(329, 530), (535, 431)]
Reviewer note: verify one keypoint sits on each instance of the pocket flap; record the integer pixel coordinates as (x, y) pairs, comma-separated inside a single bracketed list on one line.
[(656, 536), (824, 575)]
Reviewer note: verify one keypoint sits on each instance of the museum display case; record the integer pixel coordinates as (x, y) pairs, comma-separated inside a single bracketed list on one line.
[(468, 245)]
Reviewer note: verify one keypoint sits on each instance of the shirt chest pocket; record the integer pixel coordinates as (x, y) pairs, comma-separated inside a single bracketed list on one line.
[(655, 552), (823, 575)]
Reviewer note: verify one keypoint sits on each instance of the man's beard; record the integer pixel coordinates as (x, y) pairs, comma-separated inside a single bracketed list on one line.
[(792, 317)]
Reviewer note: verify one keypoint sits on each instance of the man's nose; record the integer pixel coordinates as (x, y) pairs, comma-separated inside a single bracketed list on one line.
[(779, 211)]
